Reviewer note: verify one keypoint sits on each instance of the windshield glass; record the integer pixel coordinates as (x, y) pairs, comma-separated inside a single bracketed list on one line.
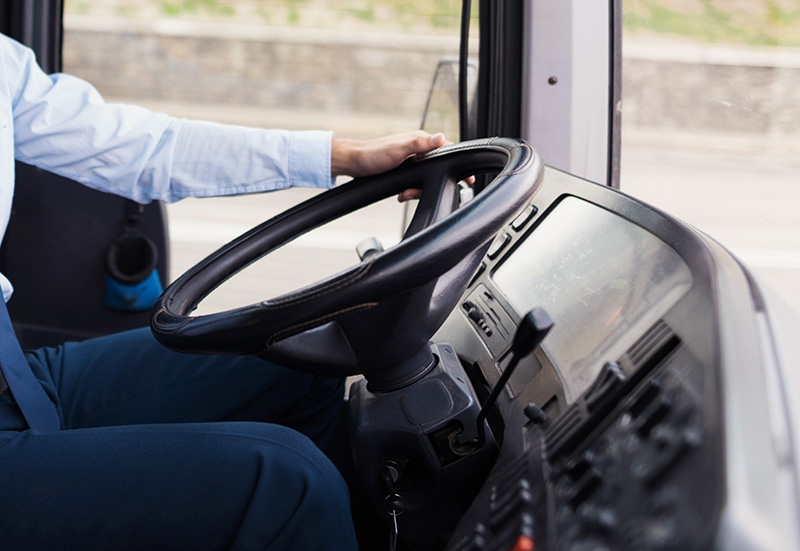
[(361, 69), (710, 105), (711, 123)]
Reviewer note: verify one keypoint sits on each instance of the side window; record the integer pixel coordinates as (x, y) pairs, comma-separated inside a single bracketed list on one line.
[(711, 123), (363, 70)]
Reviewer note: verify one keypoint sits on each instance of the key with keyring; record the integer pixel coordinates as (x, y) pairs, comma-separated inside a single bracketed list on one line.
[(394, 506)]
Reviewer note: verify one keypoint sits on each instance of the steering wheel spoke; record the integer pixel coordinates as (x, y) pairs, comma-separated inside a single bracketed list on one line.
[(440, 194)]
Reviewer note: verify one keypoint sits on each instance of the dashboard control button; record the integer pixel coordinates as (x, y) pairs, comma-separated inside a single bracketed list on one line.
[(499, 501), (605, 387), (524, 543), (479, 273), (599, 518), (663, 452), (500, 243), (653, 414), (536, 415), (520, 221), (583, 488), (511, 509), (477, 543), (650, 392), (476, 315)]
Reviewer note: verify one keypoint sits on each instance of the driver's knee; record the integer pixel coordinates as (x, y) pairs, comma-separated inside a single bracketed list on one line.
[(300, 500)]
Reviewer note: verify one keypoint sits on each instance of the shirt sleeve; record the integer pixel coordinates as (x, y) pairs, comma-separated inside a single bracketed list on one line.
[(62, 124)]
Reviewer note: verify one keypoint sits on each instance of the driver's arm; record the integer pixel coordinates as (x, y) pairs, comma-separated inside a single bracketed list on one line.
[(62, 124)]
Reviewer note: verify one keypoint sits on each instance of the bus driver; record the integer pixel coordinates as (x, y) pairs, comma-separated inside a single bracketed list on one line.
[(116, 443)]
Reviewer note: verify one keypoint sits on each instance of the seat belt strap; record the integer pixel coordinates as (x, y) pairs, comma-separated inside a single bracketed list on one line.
[(37, 409)]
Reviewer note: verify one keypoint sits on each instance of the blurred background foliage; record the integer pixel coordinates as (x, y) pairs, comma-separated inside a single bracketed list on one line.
[(423, 16), (748, 22)]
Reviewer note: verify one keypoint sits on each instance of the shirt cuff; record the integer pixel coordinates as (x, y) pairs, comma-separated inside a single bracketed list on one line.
[(310, 159)]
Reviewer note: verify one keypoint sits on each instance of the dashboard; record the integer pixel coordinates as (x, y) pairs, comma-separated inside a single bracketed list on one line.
[(619, 431)]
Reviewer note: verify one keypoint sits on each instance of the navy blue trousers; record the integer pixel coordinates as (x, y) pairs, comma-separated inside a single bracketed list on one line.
[(161, 450)]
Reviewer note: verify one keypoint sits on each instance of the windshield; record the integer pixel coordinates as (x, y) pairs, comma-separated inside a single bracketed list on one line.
[(360, 69), (710, 106), (711, 124)]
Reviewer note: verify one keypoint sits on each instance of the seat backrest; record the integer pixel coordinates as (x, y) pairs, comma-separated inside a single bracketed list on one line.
[(54, 252)]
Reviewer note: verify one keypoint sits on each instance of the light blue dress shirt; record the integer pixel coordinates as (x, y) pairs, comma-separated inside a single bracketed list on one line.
[(61, 124)]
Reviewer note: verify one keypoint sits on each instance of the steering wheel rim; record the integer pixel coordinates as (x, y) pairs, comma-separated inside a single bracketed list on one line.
[(438, 239)]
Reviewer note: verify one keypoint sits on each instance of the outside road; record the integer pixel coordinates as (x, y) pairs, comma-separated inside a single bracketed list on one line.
[(749, 203)]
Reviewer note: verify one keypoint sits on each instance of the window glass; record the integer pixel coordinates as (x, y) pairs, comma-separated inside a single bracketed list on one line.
[(362, 69), (711, 123)]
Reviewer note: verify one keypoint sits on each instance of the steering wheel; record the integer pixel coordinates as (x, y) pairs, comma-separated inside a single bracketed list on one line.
[(376, 317)]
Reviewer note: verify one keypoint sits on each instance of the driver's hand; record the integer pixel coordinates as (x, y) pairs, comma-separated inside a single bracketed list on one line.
[(367, 157)]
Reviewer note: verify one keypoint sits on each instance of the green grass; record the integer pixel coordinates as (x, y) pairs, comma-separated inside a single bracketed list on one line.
[(404, 14), (766, 23), (365, 14), (174, 9)]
